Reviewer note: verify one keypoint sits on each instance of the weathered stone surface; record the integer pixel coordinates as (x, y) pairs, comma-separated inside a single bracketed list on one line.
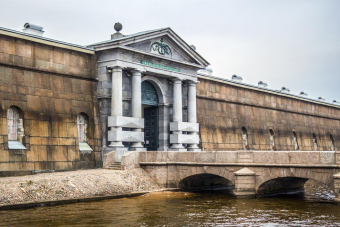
[(223, 109), (288, 173), (49, 86)]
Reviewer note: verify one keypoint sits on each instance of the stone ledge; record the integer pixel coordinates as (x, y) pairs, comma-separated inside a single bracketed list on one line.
[(239, 164)]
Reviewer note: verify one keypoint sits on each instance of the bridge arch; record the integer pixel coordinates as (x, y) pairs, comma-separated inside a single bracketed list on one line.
[(197, 175), (205, 180), (291, 179)]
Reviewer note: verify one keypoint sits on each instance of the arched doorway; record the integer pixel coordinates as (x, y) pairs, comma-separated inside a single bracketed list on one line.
[(150, 114)]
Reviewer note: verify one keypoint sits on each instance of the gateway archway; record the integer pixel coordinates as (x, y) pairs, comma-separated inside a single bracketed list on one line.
[(150, 115)]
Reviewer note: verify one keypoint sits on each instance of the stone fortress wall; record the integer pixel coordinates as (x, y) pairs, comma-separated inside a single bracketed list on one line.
[(49, 86), (224, 108)]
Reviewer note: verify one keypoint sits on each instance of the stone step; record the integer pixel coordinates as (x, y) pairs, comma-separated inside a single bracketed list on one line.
[(115, 166)]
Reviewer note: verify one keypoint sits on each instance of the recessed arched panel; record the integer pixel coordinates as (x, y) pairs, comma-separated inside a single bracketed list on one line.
[(149, 94)]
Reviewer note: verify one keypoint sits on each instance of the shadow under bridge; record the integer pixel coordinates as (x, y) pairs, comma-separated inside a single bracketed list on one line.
[(205, 181)]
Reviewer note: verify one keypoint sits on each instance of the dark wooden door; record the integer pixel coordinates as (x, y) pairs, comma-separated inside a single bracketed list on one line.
[(151, 128)]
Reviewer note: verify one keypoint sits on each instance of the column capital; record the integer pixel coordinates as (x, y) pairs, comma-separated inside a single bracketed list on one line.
[(114, 69), (177, 80), (136, 72), (192, 83)]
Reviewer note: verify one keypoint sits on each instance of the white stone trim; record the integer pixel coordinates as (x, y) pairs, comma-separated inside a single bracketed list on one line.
[(125, 136), (125, 122), (184, 138), (184, 126)]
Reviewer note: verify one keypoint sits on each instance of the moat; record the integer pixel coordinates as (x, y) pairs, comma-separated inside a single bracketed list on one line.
[(187, 209)]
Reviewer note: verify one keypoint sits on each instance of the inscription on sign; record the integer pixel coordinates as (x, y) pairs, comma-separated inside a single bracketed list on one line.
[(160, 66)]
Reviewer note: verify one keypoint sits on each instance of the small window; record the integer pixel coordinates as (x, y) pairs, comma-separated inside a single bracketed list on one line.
[(82, 126), (296, 145), (245, 138), (12, 123), (332, 142), (315, 142), (82, 123), (271, 139), (15, 128)]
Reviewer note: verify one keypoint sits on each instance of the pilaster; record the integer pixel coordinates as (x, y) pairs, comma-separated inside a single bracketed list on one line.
[(245, 183)]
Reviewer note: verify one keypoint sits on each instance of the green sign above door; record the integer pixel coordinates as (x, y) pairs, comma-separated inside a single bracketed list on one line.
[(160, 66)]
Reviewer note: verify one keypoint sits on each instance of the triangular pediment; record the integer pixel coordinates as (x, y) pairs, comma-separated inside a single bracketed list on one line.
[(166, 47), (163, 43)]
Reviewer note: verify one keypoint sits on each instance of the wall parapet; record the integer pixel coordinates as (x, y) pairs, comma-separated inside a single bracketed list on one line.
[(310, 159)]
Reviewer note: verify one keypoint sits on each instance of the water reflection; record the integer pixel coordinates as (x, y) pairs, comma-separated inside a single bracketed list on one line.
[(182, 209)]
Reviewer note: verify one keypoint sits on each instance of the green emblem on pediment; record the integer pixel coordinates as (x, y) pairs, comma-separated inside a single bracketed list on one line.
[(161, 48)]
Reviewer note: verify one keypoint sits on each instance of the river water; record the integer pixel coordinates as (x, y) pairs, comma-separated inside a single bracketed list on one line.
[(187, 209)]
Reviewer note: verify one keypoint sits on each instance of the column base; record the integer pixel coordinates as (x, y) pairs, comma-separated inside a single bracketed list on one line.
[(116, 145), (177, 149), (138, 149), (194, 149)]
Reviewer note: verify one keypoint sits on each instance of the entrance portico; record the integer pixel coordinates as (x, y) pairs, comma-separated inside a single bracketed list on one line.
[(163, 61)]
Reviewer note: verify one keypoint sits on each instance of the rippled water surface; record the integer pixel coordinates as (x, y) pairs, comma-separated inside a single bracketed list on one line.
[(181, 209)]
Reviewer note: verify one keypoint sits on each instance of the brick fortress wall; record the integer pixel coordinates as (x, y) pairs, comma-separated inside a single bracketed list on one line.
[(51, 86), (223, 109)]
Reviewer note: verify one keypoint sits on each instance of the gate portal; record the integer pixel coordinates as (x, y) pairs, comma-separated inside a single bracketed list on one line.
[(150, 107)]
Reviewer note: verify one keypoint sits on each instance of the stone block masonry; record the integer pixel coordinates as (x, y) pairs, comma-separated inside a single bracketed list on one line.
[(223, 109), (248, 177), (50, 86)]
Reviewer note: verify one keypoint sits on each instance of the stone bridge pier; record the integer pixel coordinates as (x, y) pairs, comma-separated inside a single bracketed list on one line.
[(244, 173), (337, 188)]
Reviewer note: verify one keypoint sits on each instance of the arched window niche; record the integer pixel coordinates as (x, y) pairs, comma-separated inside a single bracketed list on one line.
[(271, 139), (82, 124), (15, 127), (315, 142), (332, 142), (245, 138), (295, 141)]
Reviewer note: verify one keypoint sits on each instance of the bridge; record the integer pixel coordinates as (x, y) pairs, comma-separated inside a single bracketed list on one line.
[(244, 173)]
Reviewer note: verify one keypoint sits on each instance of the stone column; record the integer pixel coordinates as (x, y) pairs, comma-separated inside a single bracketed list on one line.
[(136, 104), (192, 111), (116, 100), (177, 109)]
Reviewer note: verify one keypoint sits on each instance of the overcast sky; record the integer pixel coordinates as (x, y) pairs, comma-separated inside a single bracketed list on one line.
[(292, 43)]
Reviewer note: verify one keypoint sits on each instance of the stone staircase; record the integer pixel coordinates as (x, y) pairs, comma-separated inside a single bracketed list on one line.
[(115, 166)]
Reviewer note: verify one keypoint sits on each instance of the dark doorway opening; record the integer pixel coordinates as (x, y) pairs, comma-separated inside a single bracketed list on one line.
[(150, 114), (151, 128)]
